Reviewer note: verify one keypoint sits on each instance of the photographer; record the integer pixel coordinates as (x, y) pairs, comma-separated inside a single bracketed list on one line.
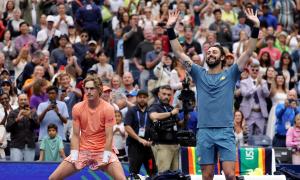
[(21, 124), (285, 115), (52, 111), (164, 121)]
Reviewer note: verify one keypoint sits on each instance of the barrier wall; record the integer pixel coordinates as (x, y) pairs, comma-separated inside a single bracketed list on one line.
[(41, 170)]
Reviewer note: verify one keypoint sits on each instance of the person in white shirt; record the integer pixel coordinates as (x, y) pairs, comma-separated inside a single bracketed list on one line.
[(44, 36), (62, 21)]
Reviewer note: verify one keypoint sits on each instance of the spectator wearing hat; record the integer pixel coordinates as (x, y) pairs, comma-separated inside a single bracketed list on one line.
[(45, 35), (267, 19), (62, 20), (137, 125), (240, 26), (4, 74), (90, 57), (26, 39), (107, 96), (229, 60), (222, 29), (273, 51), (281, 42), (9, 89), (57, 56), (254, 91), (31, 11)]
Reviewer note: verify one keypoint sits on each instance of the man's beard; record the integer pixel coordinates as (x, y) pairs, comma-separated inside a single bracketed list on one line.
[(213, 64)]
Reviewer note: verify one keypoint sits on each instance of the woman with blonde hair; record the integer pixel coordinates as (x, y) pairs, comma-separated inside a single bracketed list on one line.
[(20, 62)]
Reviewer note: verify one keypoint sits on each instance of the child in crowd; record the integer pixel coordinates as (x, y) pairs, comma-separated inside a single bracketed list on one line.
[(52, 148), (293, 140), (120, 136)]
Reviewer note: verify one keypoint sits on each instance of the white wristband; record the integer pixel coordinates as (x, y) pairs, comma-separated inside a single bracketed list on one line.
[(74, 155), (106, 156)]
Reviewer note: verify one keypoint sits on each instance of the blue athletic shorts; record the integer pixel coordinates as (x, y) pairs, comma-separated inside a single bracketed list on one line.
[(212, 142)]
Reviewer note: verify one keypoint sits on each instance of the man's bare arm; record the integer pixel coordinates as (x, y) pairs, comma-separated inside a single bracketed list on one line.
[(176, 47), (251, 46)]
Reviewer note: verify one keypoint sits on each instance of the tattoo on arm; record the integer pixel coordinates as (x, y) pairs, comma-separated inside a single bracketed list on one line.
[(187, 65)]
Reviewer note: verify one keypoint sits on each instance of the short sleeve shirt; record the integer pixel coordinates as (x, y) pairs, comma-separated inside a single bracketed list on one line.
[(215, 94), (92, 124), (51, 148)]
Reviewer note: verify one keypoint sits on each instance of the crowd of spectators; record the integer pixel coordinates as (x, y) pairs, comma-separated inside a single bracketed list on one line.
[(48, 47)]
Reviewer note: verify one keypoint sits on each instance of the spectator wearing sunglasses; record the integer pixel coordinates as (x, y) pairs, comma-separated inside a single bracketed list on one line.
[(254, 91)]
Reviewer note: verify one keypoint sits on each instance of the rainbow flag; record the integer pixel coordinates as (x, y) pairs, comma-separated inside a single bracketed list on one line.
[(248, 161), (189, 161), (251, 159)]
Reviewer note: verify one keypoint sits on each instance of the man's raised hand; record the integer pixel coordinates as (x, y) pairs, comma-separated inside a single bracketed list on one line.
[(252, 16), (173, 16)]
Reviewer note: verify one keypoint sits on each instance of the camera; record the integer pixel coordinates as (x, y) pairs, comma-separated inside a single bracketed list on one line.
[(63, 90), (292, 100), (187, 96), (185, 136)]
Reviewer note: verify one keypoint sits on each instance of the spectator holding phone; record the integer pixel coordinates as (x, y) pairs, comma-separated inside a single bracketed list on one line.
[(52, 111), (285, 114), (21, 124)]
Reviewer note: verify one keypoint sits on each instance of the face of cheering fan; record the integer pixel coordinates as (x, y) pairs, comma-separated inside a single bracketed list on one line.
[(213, 57)]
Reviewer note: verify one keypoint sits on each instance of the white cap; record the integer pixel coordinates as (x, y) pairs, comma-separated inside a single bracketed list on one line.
[(92, 42), (50, 18)]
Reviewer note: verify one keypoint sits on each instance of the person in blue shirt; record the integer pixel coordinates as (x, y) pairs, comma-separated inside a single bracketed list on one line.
[(285, 115), (215, 91), (267, 19)]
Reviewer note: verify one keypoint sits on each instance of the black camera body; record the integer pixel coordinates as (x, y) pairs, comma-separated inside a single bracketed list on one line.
[(187, 96), (186, 137)]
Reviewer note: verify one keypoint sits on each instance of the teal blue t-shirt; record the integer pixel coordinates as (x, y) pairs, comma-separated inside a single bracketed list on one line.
[(215, 95), (51, 148)]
